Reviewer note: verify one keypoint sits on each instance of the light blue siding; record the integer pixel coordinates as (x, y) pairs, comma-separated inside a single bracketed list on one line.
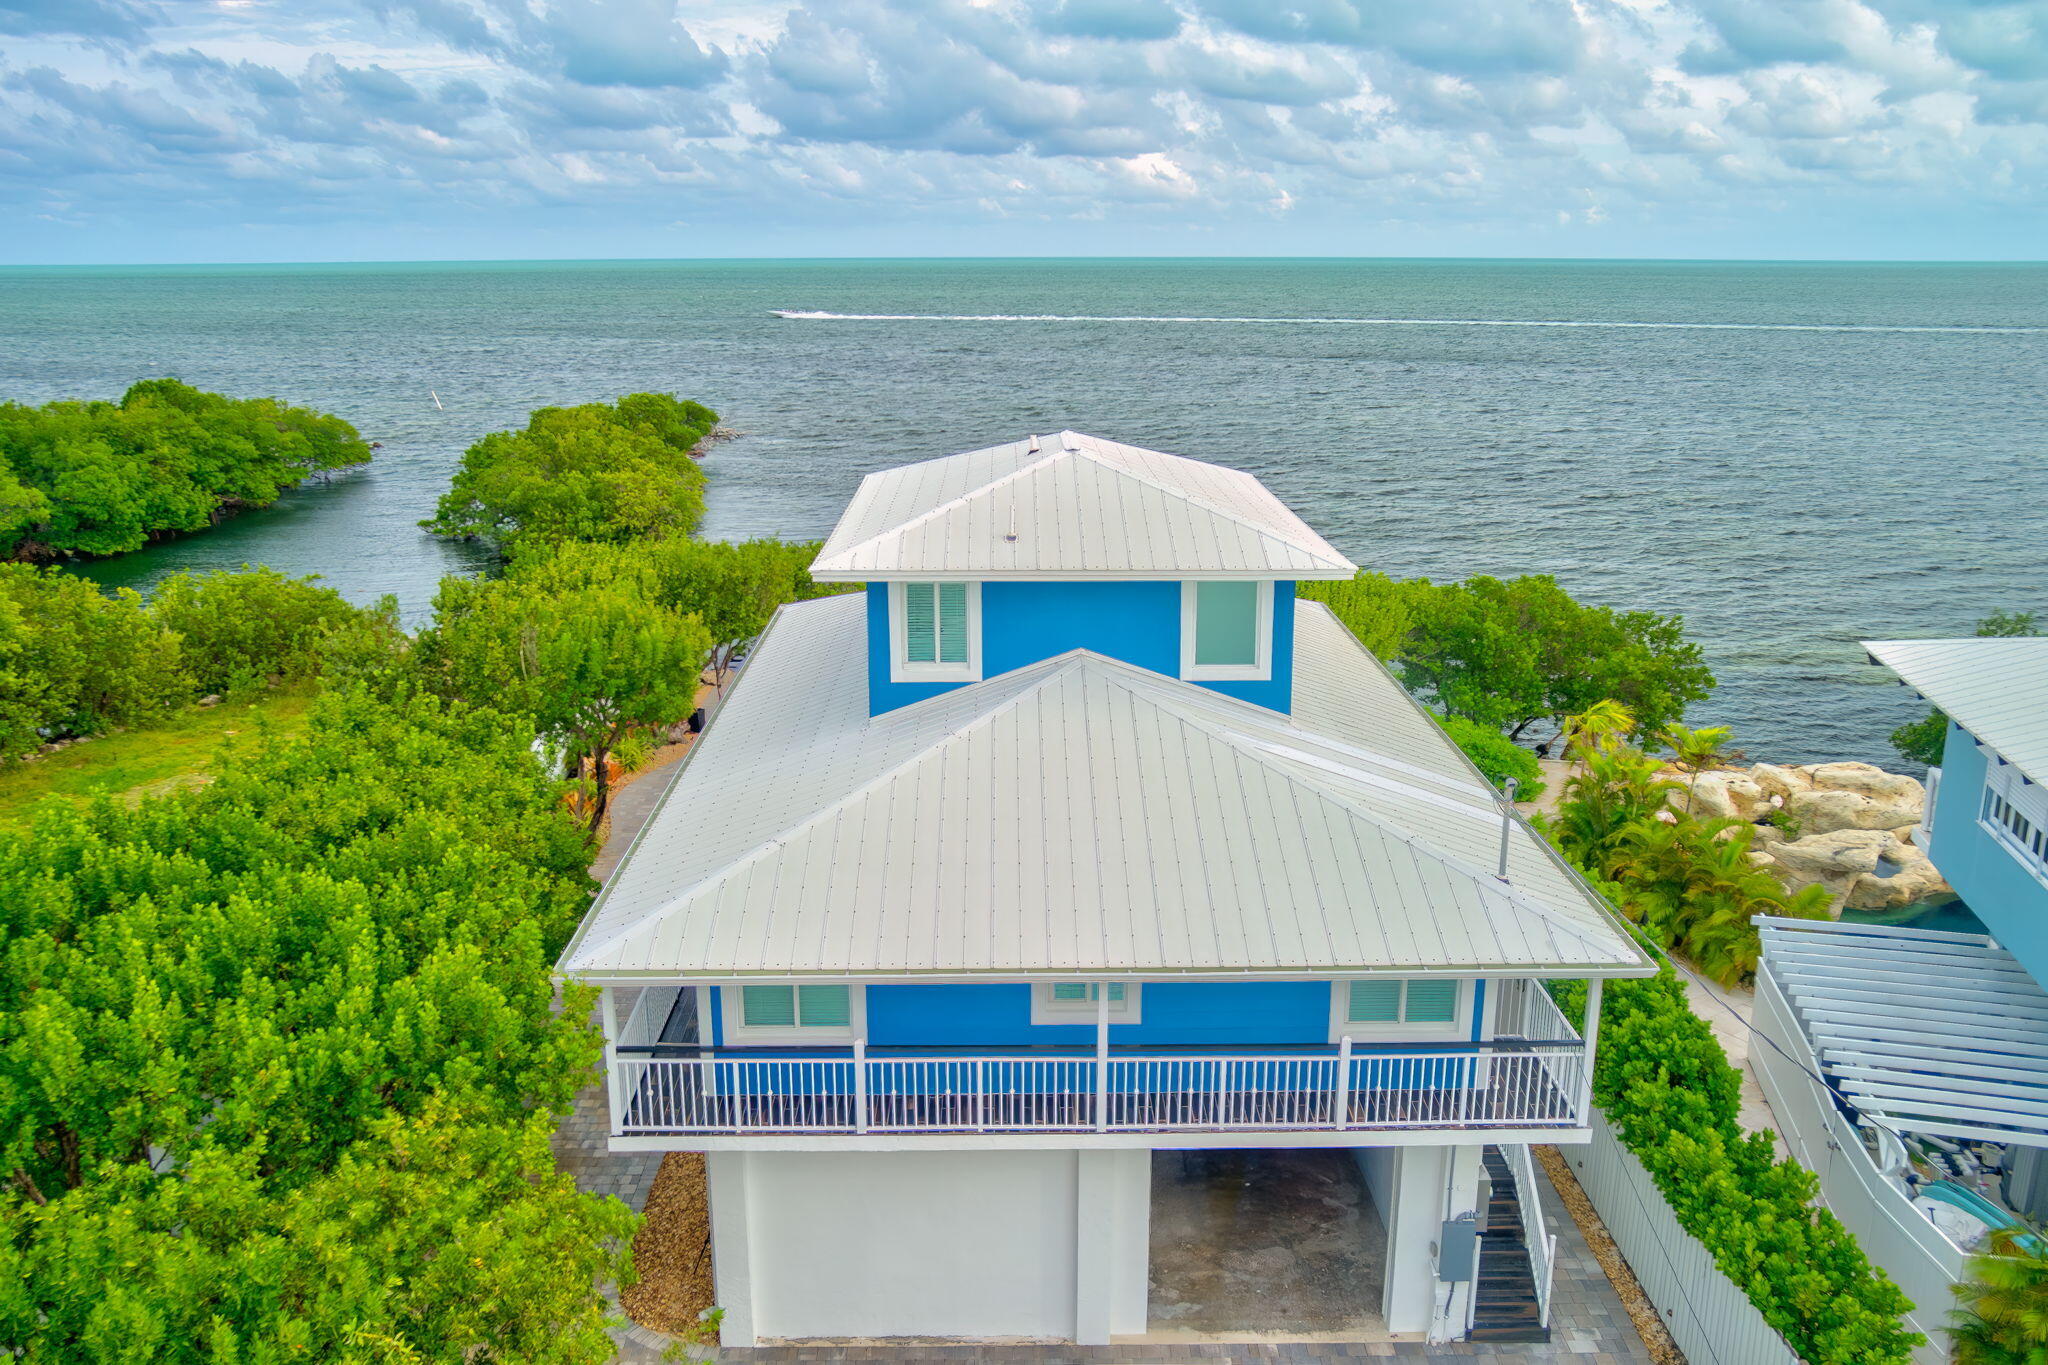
[(1022, 623), (2010, 900)]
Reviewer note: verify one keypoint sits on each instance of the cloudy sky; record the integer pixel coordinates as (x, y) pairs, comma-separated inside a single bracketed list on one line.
[(210, 130)]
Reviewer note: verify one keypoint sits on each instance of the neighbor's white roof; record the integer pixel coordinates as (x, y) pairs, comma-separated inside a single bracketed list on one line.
[(1080, 815), (1075, 504), (1919, 1030), (1997, 689)]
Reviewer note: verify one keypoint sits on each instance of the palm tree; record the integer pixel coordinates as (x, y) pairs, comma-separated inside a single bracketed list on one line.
[(2003, 1319), (1597, 726), (1695, 751)]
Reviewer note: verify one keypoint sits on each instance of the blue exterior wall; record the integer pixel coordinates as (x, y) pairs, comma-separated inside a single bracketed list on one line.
[(2010, 900), (1220, 1014), (1024, 622)]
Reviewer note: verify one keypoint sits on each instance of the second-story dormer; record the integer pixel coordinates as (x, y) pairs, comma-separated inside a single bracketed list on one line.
[(982, 563)]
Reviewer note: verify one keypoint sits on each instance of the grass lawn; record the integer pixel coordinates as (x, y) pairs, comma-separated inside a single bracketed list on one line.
[(145, 762)]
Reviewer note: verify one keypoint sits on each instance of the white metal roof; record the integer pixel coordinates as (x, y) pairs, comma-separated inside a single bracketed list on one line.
[(1070, 504), (1920, 1030), (1997, 689), (1081, 815)]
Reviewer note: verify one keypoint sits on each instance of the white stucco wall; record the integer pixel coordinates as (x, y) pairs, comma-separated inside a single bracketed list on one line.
[(1046, 1244), (1415, 1190)]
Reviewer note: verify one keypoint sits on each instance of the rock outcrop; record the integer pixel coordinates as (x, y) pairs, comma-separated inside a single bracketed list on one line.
[(1854, 823)]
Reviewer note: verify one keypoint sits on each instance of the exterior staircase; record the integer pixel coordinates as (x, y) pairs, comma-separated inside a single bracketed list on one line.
[(1505, 1305)]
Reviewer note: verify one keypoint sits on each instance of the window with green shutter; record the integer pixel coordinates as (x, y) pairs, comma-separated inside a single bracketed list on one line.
[(768, 1006), (1227, 623), (1375, 1002), (799, 1011), (936, 630), (1430, 1000), (1064, 1002), (1224, 629), (824, 1006)]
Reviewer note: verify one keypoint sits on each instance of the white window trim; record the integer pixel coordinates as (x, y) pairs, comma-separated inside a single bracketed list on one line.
[(1459, 1029), (737, 1034), (1046, 1010), (1260, 671), (2029, 799), (902, 670)]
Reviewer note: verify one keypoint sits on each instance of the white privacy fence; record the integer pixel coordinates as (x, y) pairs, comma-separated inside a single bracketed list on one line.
[(1711, 1319), (1475, 1087), (1875, 1210)]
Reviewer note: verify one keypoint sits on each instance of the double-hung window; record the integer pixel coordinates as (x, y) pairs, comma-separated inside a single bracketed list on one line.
[(1226, 629), (935, 631), (1392, 1005), (791, 1014), (1075, 1002)]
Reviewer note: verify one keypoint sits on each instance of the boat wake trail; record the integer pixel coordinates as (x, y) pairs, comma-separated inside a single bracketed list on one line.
[(809, 315)]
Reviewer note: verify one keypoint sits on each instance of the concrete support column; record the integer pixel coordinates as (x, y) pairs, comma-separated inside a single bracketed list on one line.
[(725, 1178), (1461, 1199), (1409, 1185), (1112, 1243)]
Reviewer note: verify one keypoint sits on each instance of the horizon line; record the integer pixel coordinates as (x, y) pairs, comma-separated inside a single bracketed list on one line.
[(1023, 259)]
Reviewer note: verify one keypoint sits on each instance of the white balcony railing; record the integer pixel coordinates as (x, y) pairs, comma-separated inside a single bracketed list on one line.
[(1476, 1086)]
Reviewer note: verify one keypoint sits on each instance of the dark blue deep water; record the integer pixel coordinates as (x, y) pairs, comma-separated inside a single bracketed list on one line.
[(1795, 457)]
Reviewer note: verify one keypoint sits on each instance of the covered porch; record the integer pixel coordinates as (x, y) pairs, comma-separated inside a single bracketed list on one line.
[(1530, 1076)]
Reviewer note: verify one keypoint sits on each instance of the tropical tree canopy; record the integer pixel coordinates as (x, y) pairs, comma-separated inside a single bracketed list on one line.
[(279, 1057), (2001, 1316), (603, 471), (98, 478)]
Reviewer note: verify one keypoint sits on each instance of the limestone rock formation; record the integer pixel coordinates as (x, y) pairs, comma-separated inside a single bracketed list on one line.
[(1855, 823)]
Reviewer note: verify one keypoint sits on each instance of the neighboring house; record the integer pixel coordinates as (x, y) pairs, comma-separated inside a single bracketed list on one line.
[(1911, 1067), (1073, 839)]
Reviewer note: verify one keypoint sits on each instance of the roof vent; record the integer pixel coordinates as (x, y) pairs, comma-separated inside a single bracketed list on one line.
[(1013, 525), (1032, 449)]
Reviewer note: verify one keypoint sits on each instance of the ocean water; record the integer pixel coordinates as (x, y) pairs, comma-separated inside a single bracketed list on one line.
[(1793, 456)]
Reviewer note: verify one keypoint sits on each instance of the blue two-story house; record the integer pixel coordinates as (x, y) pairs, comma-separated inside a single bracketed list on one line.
[(1073, 840), (1911, 1065)]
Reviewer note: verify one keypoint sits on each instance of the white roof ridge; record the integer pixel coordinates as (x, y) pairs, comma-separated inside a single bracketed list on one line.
[(1206, 504), (1115, 458), (1051, 668), (961, 500)]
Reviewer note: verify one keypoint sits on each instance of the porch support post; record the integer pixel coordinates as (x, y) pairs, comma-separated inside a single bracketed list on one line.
[(1341, 1108), (1101, 1057), (860, 1085), (1591, 1033), (614, 1083)]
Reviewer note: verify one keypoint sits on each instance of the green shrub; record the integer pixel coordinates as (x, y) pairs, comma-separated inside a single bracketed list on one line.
[(101, 478), (241, 629), (1663, 1082), (279, 1058), (1497, 756), (74, 661)]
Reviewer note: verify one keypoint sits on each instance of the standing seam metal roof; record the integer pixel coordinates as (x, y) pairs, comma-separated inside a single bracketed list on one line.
[(1080, 815), (1070, 503), (1997, 689)]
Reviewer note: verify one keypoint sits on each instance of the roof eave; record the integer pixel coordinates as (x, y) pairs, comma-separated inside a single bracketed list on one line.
[(827, 574)]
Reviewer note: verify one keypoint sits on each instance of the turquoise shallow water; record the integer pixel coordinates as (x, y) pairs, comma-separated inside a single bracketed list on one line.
[(1794, 456)]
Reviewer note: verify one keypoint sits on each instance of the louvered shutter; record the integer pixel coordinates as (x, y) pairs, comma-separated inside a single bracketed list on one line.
[(1374, 1002), (825, 1006), (920, 623), (952, 623), (1432, 1002), (767, 1006), (1070, 990)]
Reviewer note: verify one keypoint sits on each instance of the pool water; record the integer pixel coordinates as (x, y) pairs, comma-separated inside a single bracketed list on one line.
[(1949, 916)]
